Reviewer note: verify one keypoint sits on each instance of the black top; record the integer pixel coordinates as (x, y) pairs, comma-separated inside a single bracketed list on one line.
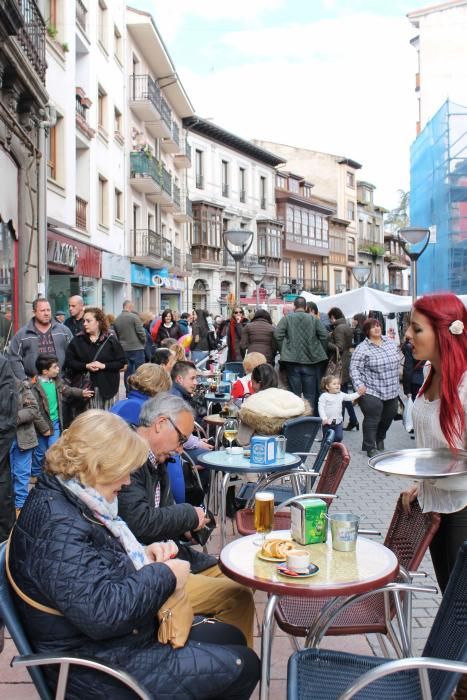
[(81, 351), (74, 324)]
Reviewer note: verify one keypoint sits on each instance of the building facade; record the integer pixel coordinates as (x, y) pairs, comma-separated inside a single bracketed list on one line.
[(371, 250), (158, 156), (23, 120), (441, 57), (334, 180), (232, 186)]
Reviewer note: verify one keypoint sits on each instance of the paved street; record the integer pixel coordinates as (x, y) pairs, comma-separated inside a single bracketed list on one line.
[(362, 491)]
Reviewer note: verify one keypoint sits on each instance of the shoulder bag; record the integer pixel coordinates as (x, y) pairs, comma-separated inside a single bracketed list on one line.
[(83, 380)]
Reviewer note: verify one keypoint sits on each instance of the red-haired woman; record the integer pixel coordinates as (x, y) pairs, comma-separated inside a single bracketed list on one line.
[(438, 334), (374, 367), (234, 335)]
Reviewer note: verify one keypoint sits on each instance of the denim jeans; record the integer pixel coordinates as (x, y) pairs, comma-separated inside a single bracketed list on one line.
[(134, 358), (338, 434), (45, 442), (20, 464), (305, 379)]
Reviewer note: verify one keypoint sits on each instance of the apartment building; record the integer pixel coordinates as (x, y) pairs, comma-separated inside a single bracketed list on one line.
[(333, 179), (371, 250), (232, 186), (158, 156), (441, 57), (85, 153), (305, 236), (23, 102)]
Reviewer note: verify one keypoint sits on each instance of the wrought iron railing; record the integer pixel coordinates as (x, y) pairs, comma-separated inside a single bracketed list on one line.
[(143, 87), (176, 133), (81, 12), (166, 180), (32, 36), (176, 195), (166, 114), (177, 258), (167, 249), (146, 242), (188, 150), (143, 165)]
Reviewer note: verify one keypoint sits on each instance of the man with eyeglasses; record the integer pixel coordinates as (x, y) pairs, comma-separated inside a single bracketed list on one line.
[(148, 508)]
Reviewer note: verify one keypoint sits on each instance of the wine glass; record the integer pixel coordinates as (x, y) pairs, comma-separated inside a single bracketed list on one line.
[(230, 431)]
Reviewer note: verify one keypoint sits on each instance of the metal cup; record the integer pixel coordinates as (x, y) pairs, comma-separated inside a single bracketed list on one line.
[(344, 531), (281, 442)]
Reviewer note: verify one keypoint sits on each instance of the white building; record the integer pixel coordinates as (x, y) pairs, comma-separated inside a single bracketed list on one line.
[(86, 159), (442, 56), (231, 186), (158, 210)]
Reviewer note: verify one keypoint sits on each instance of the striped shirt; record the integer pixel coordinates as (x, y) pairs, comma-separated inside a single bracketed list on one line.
[(376, 367)]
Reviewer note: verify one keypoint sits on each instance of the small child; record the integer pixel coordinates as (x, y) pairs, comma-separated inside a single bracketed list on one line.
[(330, 405), (49, 391), (30, 423)]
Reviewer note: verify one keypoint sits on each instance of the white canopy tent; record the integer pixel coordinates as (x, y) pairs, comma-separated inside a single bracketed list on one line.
[(361, 300)]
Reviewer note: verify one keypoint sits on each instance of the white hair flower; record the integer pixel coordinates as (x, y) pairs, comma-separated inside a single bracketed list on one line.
[(456, 327)]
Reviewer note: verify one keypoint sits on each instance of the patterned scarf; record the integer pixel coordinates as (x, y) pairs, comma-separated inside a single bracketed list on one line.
[(107, 514)]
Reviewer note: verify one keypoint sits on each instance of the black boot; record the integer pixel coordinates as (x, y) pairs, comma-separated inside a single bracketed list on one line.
[(351, 426), (380, 445)]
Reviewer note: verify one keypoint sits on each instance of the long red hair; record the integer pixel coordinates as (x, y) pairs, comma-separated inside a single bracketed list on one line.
[(441, 310)]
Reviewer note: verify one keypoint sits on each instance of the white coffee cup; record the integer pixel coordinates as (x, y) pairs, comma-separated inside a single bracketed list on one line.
[(298, 560)]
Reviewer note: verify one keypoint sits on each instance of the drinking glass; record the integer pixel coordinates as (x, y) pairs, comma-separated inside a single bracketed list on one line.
[(230, 431), (264, 515), (281, 442)]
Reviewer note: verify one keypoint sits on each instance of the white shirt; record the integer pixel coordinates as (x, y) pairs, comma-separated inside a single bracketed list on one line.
[(330, 405), (439, 495)]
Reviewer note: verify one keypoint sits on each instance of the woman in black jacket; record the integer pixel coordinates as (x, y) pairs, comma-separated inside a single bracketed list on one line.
[(234, 335), (98, 352), (200, 330), (71, 552), (168, 328)]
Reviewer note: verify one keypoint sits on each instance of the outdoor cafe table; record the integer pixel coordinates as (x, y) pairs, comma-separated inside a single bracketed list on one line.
[(223, 461), (341, 574), (211, 399)]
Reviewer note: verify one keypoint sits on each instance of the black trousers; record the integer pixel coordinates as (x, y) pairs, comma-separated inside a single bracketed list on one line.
[(227, 635), (378, 416), (445, 544), (7, 503)]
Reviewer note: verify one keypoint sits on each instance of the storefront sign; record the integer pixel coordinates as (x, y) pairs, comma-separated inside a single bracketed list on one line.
[(140, 275), (168, 282), (68, 255), (115, 267)]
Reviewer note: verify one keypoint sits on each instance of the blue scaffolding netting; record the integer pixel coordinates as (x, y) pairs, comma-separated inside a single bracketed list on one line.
[(438, 199)]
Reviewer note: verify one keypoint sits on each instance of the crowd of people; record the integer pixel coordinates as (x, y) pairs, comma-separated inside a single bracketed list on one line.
[(103, 537)]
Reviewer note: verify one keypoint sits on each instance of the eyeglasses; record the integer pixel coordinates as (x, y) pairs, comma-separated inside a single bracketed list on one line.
[(181, 437)]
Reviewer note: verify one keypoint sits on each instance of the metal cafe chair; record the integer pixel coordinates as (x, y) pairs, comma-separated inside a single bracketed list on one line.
[(33, 662), (318, 674)]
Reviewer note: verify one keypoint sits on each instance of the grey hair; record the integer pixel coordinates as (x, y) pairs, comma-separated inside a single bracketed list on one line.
[(126, 302), (163, 404)]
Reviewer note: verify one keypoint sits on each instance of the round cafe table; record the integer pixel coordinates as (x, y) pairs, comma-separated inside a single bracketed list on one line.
[(341, 574), (235, 463), (217, 421), (211, 399)]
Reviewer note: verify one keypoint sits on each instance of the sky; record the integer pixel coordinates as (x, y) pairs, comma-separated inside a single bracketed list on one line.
[(330, 75)]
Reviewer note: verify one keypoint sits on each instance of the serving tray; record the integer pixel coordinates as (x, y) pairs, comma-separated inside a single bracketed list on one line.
[(421, 463)]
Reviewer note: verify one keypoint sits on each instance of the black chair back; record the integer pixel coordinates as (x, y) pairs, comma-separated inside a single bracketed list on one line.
[(301, 433)]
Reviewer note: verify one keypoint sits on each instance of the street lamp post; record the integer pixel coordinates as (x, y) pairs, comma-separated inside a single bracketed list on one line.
[(270, 288), (410, 237), (237, 243), (362, 274), (257, 271)]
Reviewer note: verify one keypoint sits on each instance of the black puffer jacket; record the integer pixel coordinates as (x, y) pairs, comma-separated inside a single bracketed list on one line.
[(62, 557), (81, 351), (166, 522)]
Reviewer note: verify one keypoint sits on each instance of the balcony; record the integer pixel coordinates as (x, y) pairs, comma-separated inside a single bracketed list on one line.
[(184, 213), (172, 143), (31, 37), (205, 255), (83, 104), (164, 196), (145, 174), (182, 160), (229, 263), (146, 247), (397, 262), (81, 214), (167, 250), (296, 243), (188, 262), (314, 286), (81, 15), (147, 103)]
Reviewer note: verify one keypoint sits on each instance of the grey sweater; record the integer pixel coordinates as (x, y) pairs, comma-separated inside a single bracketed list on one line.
[(130, 332)]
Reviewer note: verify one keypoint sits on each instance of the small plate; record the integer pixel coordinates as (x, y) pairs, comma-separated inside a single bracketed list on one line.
[(276, 560), (219, 395), (284, 571)]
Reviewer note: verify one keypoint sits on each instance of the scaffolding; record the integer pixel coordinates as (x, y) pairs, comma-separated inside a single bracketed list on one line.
[(438, 199)]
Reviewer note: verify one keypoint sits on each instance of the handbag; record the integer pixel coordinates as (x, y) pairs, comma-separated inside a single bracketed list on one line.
[(83, 380), (175, 620), (334, 366)]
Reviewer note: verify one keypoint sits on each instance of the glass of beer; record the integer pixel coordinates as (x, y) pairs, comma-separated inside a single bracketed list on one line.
[(264, 515), (230, 431)]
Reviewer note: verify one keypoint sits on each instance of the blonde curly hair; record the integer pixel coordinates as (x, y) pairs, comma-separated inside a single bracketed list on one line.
[(252, 360), (150, 379), (97, 447)]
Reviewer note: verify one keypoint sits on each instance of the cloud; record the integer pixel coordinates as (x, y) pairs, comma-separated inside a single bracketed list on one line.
[(340, 86)]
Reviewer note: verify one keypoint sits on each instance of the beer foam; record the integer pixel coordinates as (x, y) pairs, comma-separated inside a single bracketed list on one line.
[(264, 496)]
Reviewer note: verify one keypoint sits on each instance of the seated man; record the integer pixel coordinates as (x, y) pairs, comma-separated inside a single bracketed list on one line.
[(184, 381), (148, 508)]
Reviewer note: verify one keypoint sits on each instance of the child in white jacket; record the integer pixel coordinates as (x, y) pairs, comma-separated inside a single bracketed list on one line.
[(330, 405)]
